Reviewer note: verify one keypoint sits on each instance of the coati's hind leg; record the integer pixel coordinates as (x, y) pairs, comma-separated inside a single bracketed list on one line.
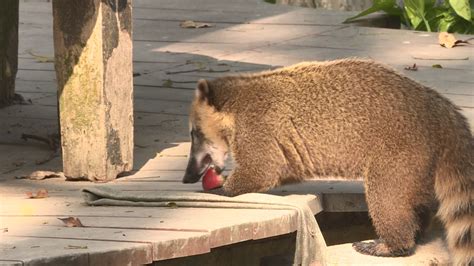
[(425, 215), (379, 246), (392, 202)]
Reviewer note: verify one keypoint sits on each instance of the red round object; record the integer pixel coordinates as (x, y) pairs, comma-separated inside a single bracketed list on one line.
[(212, 180)]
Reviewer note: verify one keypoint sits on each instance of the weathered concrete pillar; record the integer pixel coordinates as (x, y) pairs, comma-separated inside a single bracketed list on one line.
[(8, 49), (93, 61)]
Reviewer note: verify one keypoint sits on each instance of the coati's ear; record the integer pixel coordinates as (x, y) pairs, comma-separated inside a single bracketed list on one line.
[(202, 90)]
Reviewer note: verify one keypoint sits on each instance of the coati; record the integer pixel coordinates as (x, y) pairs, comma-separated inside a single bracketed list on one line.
[(346, 118)]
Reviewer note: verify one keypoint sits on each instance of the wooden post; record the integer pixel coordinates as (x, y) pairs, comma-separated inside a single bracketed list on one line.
[(8, 49), (93, 61)]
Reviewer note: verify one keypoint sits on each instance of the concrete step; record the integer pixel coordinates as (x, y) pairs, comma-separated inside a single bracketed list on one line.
[(433, 252)]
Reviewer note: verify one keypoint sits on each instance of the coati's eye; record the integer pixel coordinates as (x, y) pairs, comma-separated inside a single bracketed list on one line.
[(197, 135), (193, 135)]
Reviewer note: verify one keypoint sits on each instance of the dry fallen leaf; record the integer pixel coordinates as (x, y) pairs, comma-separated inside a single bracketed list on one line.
[(168, 83), (189, 24), (40, 175), (412, 68), (72, 222), (172, 205), (446, 40), (449, 41), (40, 194), (120, 232)]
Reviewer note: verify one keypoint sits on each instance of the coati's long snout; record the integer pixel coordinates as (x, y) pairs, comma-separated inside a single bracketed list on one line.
[(197, 168), (203, 154)]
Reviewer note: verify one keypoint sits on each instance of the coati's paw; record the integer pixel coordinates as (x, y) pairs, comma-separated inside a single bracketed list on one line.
[(380, 249)]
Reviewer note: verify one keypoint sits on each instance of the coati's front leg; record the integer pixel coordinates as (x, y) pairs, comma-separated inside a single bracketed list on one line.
[(250, 178), (258, 163)]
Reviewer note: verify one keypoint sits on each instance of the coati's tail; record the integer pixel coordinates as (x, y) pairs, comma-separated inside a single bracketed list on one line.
[(454, 186)]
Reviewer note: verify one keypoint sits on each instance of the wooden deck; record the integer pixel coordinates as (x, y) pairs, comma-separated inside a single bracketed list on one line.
[(246, 35)]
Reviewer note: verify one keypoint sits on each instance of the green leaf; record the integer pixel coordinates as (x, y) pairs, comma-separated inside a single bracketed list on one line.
[(444, 25), (434, 16), (168, 83), (462, 8), (412, 9), (446, 20), (462, 26), (388, 6), (415, 11), (366, 12), (429, 4)]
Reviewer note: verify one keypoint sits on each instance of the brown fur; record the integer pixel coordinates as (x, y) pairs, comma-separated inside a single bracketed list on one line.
[(350, 118)]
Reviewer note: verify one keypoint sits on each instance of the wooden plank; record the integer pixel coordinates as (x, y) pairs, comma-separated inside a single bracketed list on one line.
[(469, 114), (10, 263), (93, 46), (47, 251), (174, 163), (30, 112), (9, 10), (36, 75), (178, 107), (67, 206), (269, 16), (337, 196), (157, 116), (449, 86), (225, 226), (148, 91), (271, 251), (37, 86), (32, 63), (13, 127), (165, 244), (233, 34)]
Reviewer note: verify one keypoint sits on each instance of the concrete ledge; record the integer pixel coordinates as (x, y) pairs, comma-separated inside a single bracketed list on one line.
[(432, 253)]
